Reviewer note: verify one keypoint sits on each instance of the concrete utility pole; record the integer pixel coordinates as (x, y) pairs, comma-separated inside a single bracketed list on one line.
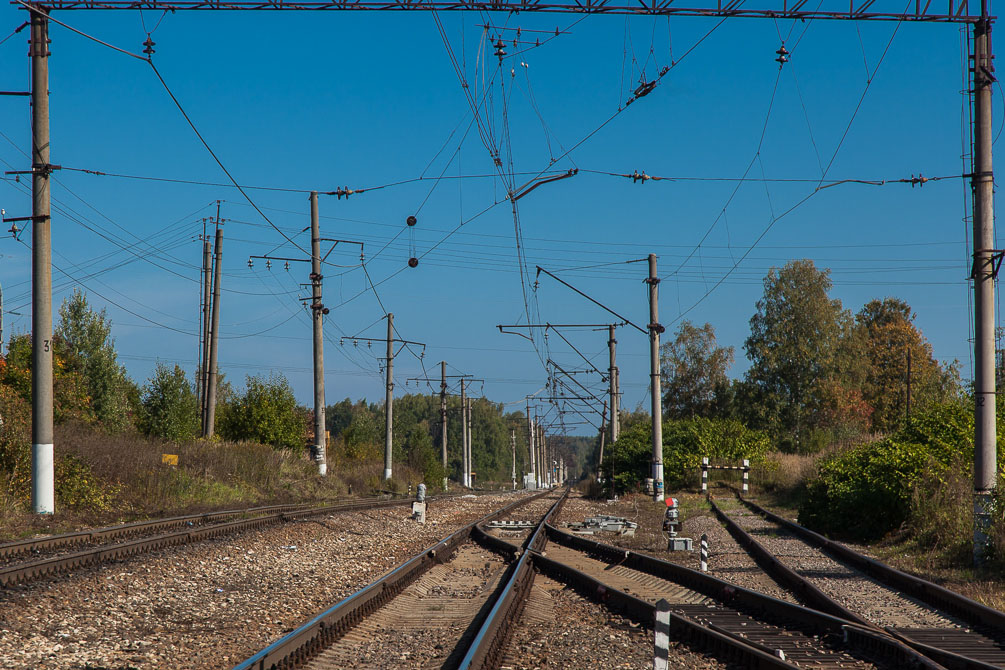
[(464, 438), (43, 499), (467, 415), (512, 444), (908, 382), (545, 458), (389, 398), (214, 342), (603, 434), (443, 419), (982, 180), (207, 287), (530, 447), (317, 310), (654, 376), (538, 465), (612, 378)]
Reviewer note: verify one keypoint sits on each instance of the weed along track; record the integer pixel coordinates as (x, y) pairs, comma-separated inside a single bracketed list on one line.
[(945, 626)]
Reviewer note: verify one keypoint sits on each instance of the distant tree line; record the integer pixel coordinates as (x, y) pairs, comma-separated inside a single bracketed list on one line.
[(92, 389)]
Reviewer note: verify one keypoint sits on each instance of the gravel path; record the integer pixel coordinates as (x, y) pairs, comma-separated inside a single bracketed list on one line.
[(213, 604), (861, 594)]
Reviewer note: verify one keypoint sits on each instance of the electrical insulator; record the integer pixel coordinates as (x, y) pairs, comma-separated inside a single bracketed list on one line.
[(500, 49), (250, 264), (413, 262), (411, 220), (268, 265), (783, 55), (287, 266)]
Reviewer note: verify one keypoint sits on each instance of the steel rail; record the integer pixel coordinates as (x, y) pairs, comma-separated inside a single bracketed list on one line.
[(24, 572), (932, 594), (34, 545), (318, 633), (814, 596), (489, 643), (725, 647), (867, 639)]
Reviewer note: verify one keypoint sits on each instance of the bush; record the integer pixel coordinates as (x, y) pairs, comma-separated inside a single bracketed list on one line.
[(77, 487), (15, 446), (866, 492), (685, 442), (266, 413)]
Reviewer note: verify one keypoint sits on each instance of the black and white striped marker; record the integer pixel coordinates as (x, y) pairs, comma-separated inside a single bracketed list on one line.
[(661, 657)]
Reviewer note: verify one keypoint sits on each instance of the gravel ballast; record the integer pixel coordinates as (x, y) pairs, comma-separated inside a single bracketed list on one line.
[(213, 604)]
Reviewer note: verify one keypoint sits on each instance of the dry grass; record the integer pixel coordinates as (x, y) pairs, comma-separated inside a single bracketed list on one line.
[(209, 476)]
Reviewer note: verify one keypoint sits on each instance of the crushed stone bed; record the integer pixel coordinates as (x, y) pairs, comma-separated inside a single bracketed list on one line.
[(215, 603)]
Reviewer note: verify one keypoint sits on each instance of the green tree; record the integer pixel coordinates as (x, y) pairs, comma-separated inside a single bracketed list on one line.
[(266, 412), (794, 338), (71, 400), (85, 337), (169, 406), (693, 369), (890, 336)]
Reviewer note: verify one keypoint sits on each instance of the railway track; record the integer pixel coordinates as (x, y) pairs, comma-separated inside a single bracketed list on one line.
[(59, 554), (458, 603), (430, 611), (720, 615), (951, 629)]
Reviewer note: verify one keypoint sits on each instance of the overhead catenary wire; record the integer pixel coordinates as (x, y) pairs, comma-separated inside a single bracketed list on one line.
[(830, 163)]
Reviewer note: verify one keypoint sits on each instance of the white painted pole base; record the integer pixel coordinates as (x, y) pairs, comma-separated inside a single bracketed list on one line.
[(43, 490), (323, 469), (387, 473)]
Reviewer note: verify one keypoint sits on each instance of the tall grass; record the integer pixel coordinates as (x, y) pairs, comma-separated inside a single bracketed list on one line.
[(106, 478)]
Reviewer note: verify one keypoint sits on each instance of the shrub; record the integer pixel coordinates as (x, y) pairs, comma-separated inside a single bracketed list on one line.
[(266, 413), (15, 446), (866, 491), (685, 442)]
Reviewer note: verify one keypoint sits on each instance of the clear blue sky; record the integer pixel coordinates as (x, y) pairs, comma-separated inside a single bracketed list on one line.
[(304, 100)]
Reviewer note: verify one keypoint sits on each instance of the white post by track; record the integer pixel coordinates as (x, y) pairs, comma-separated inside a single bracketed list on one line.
[(704, 474), (746, 475), (703, 553), (661, 653)]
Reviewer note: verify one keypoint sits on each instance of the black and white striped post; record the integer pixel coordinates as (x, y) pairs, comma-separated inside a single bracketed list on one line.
[(746, 475), (661, 655), (703, 553), (704, 474)]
